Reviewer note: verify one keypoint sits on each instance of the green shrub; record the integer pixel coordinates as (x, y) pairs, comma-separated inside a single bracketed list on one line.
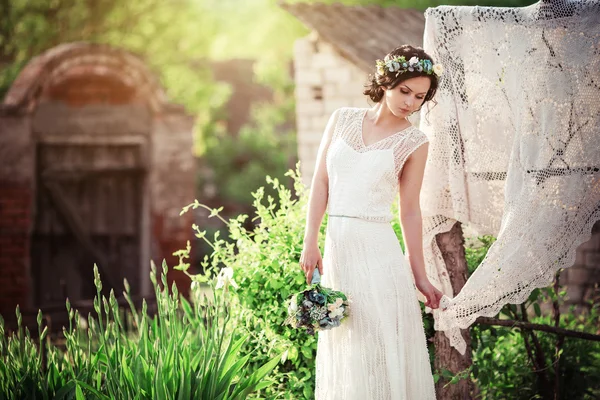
[(189, 350), (239, 163), (502, 369), (265, 262)]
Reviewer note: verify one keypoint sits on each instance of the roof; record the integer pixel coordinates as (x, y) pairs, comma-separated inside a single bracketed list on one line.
[(362, 34)]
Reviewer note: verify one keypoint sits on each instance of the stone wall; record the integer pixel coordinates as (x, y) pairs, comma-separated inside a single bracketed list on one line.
[(325, 81)]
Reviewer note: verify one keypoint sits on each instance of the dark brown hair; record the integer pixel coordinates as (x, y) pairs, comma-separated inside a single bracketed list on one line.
[(374, 88)]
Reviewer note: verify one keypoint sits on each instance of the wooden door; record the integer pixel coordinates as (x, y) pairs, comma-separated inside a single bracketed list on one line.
[(88, 210)]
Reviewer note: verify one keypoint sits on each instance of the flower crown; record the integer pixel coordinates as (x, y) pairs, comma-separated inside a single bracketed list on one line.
[(399, 65)]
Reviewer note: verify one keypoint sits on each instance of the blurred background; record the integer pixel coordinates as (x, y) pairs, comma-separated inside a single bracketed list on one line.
[(117, 114), (114, 115)]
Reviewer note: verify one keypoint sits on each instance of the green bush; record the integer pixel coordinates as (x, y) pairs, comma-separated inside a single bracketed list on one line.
[(502, 369), (189, 350), (238, 163), (265, 262)]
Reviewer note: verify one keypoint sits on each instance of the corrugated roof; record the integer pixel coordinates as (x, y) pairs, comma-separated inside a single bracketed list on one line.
[(362, 34)]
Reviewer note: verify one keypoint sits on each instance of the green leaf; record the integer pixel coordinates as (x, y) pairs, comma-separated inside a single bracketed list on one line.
[(79, 393)]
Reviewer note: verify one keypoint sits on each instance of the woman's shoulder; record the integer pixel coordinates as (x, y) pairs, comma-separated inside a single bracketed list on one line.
[(417, 136), (347, 113)]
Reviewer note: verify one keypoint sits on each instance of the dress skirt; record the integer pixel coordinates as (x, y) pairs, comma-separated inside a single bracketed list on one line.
[(380, 351)]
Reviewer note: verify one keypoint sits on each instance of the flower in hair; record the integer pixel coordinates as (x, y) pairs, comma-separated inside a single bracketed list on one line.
[(399, 65)]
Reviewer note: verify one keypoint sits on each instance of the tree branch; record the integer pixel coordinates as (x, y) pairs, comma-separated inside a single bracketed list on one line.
[(537, 327)]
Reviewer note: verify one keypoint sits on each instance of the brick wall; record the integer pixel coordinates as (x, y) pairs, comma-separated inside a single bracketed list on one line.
[(15, 216), (584, 275)]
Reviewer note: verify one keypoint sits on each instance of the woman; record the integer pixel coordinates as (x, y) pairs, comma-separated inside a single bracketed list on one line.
[(366, 157)]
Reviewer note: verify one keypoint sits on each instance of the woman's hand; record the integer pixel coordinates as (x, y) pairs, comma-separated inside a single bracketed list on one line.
[(432, 294), (309, 259)]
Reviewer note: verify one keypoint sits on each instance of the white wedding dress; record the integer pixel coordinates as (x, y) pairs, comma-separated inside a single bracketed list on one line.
[(380, 352)]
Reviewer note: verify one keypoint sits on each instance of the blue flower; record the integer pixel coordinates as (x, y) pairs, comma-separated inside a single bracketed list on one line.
[(312, 296), (326, 322), (320, 298)]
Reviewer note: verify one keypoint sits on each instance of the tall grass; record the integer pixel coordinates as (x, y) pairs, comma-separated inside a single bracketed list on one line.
[(188, 350)]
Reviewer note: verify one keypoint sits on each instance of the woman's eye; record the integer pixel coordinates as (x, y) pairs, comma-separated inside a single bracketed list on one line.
[(404, 91), (420, 98)]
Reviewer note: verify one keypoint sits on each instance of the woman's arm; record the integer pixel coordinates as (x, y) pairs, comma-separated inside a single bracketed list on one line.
[(317, 204), (319, 188), (410, 181)]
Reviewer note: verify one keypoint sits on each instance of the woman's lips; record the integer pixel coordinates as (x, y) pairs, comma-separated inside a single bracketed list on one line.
[(404, 111)]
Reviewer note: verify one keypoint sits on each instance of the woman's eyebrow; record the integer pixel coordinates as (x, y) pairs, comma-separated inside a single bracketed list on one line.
[(411, 89)]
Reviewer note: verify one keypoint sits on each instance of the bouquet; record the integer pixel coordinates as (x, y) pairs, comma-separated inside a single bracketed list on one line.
[(317, 308)]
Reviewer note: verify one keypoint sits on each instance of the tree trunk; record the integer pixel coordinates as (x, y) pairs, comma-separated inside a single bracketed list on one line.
[(451, 245)]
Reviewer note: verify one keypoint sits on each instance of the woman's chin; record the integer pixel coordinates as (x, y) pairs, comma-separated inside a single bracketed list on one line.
[(401, 113)]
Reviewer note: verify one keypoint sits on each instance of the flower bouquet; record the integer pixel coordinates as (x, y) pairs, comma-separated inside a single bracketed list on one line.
[(317, 308)]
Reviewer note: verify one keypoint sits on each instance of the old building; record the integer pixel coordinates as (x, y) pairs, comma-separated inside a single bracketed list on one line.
[(95, 166)]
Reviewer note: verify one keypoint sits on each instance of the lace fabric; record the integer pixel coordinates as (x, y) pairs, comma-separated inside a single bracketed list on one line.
[(380, 352), (514, 147), (368, 179)]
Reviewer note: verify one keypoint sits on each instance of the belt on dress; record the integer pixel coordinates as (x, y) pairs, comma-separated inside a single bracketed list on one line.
[(352, 216), (345, 216)]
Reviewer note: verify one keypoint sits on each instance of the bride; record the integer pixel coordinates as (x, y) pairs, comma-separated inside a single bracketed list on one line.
[(366, 158)]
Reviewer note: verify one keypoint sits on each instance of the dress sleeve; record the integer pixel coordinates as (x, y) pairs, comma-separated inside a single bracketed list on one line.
[(406, 147), (338, 117)]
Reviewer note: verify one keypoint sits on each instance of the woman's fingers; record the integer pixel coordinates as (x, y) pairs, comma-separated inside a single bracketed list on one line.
[(433, 298), (309, 273), (320, 265)]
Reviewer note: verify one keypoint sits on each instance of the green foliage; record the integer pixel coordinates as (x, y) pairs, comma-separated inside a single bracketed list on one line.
[(169, 35), (240, 163), (189, 350), (265, 262), (476, 252), (502, 369)]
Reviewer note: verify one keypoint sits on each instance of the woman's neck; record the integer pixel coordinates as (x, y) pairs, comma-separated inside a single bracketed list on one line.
[(381, 116)]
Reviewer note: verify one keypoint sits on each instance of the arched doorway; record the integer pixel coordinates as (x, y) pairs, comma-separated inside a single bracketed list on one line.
[(107, 166)]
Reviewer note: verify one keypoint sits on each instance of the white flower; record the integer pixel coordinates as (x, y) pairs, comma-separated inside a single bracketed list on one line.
[(413, 61), (293, 307), (438, 69), (338, 312), (380, 70), (333, 306), (225, 278)]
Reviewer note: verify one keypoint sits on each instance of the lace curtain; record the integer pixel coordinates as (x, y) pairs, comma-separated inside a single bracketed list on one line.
[(514, 147)]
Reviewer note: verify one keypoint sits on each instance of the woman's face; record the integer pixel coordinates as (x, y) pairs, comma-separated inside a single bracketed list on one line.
[(407, 96)]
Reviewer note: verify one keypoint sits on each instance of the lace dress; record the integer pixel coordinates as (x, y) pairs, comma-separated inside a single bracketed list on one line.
[(380, 352)]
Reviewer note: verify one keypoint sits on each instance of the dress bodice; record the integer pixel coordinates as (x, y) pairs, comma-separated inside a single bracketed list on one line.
[(363, 179)]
